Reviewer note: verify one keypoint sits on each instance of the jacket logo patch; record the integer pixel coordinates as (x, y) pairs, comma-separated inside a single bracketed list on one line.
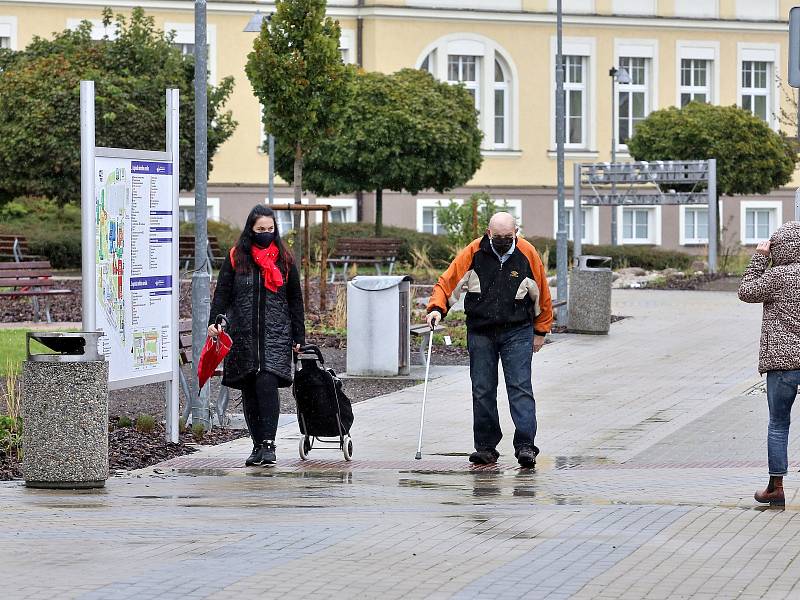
[(515, 273)]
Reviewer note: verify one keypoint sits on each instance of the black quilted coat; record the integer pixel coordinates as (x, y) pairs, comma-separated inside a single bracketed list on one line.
[(262, 324)]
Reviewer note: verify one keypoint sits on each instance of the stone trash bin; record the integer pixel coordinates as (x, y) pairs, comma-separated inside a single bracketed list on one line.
[(65, 412), (590, 295)]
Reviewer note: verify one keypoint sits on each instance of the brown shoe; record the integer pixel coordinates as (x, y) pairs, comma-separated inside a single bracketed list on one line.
[(773, 494)]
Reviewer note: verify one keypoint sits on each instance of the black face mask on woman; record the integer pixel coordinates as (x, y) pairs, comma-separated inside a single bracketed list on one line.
[(263, 239)]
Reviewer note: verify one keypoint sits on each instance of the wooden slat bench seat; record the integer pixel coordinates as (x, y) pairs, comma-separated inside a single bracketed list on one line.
[(33, 279), (364, 251)]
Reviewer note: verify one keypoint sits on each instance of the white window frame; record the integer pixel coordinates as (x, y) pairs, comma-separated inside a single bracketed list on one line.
[(634, 7), (423, 203), (573, 6), (474, 85), (696, 50), (637, 48), (8, 28), (511, 5), (99, 31), (762, 10), (472, 44), (213, 206), (587, 48), (504, 87), (592, 223), (776, 218), (697, 9), (349, 204), (682, 239), (347, 46), (769, 53), (653, 225), (184, 34)]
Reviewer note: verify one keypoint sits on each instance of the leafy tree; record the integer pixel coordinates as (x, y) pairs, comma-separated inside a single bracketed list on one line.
[(297, 73), (40, 104), (404, 131), (458, 220), (751, 157)]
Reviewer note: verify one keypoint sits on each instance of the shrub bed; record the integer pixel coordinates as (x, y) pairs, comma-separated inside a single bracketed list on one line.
[(650, 258)]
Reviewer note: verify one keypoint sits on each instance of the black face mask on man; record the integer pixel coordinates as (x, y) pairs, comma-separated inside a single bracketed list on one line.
[(263, 239), (502, 244)]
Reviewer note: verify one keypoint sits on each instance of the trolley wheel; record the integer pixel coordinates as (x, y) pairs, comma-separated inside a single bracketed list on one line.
[(305, 447), (347, 448)]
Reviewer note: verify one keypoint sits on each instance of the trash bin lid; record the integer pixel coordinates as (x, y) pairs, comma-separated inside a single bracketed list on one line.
[(68, 346), (376, 283)]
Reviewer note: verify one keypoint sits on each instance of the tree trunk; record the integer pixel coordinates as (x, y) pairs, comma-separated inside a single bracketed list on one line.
[(379, 212), (298, 196)]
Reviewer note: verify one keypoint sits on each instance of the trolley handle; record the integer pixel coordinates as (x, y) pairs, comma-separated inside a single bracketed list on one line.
[(310, 349)]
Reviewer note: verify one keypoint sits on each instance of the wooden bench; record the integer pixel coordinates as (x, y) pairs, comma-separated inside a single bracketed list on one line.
[(15, 247), (33, 279), (364, 251), (185, 358), (186, 251)]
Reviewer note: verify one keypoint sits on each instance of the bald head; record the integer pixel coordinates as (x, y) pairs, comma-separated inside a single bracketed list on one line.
[(502, 224)]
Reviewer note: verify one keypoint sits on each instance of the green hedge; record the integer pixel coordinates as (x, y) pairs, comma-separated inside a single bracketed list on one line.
[(646, 257), (439, 251)]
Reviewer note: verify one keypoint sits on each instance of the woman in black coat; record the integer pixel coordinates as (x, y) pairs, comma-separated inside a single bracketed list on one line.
[(258, 290)]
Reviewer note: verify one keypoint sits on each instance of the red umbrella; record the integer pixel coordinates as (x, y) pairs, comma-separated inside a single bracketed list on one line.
[(213, 353)]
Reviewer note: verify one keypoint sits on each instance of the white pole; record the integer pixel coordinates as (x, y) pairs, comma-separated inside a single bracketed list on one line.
[(88, 207), (173, 147), (713, 215), (797, 205), (577, 213)]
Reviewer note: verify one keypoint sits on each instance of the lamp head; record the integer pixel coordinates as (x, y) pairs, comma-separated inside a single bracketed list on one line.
[(256, 21)]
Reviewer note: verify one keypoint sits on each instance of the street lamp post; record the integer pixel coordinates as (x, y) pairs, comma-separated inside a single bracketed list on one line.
[(621, 76), (561, 233), (254, 26)]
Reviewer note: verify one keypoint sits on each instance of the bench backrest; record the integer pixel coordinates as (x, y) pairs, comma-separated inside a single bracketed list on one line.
[(367, 247), (37, 273), (186, 247), (7, 244), (185, 341)]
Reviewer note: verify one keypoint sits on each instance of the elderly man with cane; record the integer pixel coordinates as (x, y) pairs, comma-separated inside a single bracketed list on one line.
[(509, 313)]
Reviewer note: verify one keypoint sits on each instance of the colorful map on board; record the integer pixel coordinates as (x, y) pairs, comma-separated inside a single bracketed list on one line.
[(111, 213)]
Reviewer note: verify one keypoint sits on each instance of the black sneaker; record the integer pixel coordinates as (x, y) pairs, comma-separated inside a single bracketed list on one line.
[(526, 456), (255, 456), (268, 453), (484, 456)]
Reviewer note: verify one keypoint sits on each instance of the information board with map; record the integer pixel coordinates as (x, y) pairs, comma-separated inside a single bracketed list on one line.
[(134, 223)]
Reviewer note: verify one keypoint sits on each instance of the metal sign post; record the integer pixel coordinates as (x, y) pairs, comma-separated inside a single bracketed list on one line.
[(650, 184), (129, 242)]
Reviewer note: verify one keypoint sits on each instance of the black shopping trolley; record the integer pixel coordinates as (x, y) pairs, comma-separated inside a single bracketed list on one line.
[(324, 412)]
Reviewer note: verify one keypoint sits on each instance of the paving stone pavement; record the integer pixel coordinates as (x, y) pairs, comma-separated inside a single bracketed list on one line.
[(652, 443)]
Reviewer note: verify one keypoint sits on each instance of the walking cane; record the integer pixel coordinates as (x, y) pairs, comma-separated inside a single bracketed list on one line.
[(424, 395)]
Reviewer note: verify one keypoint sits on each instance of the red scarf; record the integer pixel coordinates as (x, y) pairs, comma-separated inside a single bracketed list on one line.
[(265, 258)]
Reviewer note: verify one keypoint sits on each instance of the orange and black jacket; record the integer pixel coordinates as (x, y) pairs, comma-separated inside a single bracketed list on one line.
[(498, 294)]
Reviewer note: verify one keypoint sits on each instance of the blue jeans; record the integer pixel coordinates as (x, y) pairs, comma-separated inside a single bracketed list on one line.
[(514, 346), (781, 392)]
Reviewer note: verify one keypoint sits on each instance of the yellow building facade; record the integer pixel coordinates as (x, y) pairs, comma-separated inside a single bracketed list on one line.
[(672, 51)]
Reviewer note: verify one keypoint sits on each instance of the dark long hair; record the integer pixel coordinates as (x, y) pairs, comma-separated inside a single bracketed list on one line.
[(241, 254)]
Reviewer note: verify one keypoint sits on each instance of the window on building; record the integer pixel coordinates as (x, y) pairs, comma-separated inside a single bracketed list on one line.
[(500, 106), (758, 223), (186, 212), (633, 98), (575, 96), (430, 222), (695, 80), (5, 42), (695, 225), (344, 53), (464, 69), (755, 88), (636, 224)]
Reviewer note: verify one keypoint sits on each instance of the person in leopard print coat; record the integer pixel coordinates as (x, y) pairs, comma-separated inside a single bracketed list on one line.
[(777, 286)]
